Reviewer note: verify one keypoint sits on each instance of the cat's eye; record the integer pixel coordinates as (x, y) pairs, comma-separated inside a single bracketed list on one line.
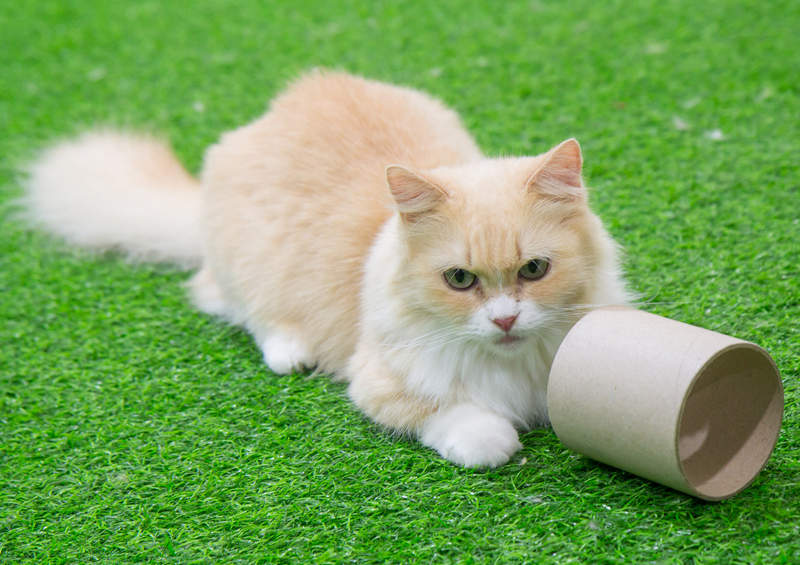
[(534, 269), (459, 279)]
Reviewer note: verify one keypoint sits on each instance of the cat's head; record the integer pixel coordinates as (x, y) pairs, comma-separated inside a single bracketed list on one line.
[(498, 250)]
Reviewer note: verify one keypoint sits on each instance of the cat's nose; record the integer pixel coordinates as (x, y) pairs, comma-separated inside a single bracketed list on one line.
[(506, 323)]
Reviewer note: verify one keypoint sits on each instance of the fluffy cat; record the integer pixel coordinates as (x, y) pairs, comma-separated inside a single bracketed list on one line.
[(357, 228)]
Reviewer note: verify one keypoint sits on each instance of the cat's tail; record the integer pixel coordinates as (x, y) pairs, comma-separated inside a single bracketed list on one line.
[(118, 191)]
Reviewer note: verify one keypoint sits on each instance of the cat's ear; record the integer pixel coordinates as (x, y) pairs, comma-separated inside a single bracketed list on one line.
[(413, 193), (559, 175)]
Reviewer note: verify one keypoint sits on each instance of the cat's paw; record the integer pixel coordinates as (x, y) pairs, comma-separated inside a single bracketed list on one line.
[(471, 436), (285, 354)]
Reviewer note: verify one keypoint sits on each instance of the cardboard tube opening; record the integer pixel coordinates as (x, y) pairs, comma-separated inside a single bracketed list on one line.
[(730, 421)]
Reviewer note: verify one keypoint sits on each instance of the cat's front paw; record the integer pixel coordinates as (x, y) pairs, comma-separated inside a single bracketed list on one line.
[(471, 436), (285, 354)]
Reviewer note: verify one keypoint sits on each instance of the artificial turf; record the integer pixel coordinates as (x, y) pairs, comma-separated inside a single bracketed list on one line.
[(133, 428)]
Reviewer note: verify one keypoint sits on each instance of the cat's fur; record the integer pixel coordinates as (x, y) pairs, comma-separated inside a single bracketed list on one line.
[(311, 237)]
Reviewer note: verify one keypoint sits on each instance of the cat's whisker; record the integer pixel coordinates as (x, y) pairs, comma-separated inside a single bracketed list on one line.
[(431, 341), (435, 338)]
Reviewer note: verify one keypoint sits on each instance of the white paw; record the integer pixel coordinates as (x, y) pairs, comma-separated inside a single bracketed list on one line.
[(285, 354), (207, 295), (471, 436)]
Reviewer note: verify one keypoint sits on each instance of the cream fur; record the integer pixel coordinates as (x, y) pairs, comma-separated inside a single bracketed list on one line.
[(303, 244), (107, 190)]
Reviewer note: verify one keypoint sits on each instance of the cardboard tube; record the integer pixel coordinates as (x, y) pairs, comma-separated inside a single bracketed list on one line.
[(686, 407)]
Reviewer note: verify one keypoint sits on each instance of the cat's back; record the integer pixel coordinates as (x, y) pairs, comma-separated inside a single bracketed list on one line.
[(354, 122), (305, 186), (347, 127)]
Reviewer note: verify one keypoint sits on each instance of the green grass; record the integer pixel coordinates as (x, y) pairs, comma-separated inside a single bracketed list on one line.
[(135, 429)]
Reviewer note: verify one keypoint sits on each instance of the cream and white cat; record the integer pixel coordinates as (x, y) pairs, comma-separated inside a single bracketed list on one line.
[(357, 228)]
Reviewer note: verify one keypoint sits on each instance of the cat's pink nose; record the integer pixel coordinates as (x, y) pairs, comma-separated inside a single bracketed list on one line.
[(506, 323)]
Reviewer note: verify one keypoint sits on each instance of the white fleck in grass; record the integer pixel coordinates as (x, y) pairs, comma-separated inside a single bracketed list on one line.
[(96, 74), (435, 72), (692, 102), (482, 62), (715, 134), (199, 107), (224, 57), (765, 93), (119, 479), (680, 124), (655, 48)]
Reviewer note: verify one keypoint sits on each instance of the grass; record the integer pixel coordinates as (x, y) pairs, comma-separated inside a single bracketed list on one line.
[(135, 429)]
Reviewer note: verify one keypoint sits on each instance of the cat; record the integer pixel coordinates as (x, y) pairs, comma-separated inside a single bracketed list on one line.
[(357, 228)]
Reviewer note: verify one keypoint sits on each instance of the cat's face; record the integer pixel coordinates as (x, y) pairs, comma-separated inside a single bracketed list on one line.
[(501, 249)]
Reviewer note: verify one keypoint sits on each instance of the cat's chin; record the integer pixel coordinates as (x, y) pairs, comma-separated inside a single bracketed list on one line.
[(509, 340), (508, 344)]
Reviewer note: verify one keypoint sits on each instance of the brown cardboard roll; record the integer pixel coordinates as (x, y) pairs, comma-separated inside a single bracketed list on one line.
[(686, 407)]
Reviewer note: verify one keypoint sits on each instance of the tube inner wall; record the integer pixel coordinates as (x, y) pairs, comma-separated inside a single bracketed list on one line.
[(730, 421)]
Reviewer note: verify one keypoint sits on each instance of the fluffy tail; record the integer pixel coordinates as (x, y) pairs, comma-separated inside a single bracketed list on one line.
[(125, 192)]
